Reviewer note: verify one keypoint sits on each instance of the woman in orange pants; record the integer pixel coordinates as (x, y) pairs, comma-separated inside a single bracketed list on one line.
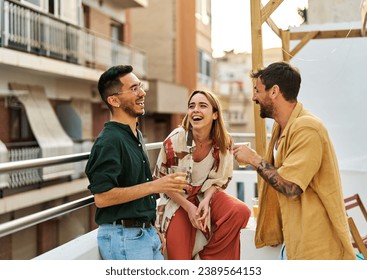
[(205, 222)]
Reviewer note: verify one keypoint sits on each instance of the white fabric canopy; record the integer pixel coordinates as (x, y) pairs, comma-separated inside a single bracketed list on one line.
[(334, 87), (46, 128)]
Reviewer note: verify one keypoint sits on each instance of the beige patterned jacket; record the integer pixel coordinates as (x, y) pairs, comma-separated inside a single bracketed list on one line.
[(177, 150)]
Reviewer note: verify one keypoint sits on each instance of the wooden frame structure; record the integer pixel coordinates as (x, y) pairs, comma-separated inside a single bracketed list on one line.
[(261, 14)]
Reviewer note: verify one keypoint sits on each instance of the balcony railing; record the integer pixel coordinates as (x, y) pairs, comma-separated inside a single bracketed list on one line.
[(243, 185), (28, 30), (28, 176), (31, 220)]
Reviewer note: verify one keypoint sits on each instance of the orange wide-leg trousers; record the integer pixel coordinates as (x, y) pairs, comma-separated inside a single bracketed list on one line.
[(228, 215)]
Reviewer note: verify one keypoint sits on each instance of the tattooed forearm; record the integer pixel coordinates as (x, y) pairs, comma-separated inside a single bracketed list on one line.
[(270, 174)]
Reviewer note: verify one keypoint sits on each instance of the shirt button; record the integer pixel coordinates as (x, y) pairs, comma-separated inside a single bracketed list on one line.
[(147, 179)]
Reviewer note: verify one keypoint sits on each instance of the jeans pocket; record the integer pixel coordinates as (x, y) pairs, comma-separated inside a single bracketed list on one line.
[(104, 244), (138, 245), (133, 233)]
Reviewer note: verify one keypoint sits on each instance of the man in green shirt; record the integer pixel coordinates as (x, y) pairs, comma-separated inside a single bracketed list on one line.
[(119, 173)]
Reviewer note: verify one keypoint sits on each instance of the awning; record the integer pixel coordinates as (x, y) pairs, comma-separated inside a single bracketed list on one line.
[(46, 128), (76, 118)]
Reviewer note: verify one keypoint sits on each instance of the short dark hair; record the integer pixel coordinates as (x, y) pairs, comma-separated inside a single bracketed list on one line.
[(109, 82), (283, 75)]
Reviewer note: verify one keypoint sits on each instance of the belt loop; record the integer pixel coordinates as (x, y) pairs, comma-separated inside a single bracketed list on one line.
[(114, 223)]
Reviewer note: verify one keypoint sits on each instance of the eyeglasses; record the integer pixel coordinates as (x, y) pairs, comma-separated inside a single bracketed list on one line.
[(134, 89)]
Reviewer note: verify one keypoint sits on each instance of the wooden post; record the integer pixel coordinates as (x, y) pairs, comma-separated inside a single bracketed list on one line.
[(285, 36), (257, 63)]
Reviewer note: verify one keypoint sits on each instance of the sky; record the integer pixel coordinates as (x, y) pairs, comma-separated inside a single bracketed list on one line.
[(231, 24)]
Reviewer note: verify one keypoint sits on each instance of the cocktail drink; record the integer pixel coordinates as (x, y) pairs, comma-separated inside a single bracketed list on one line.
[(183, 169), (240, 163), (255, 206)]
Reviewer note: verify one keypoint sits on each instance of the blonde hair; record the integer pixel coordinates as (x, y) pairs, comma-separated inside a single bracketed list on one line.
[(218, 131)]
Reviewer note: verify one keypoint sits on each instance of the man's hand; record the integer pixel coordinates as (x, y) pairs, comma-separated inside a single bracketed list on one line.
[(244, 153), (174, 182)]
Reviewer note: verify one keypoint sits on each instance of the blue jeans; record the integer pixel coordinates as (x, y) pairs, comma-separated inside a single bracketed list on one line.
[(118, 243)]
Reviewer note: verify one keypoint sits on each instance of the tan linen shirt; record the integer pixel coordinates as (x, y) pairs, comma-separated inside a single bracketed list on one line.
[(314, 224)]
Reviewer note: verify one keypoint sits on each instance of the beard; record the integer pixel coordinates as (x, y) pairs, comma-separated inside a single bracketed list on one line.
[(129, 109), (266, 111)]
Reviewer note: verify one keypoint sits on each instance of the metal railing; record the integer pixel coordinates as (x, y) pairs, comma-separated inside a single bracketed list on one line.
[(13, 226), (28, 176), (28, 30), (36, 218)]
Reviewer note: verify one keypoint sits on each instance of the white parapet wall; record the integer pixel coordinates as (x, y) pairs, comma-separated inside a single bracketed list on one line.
[(242, 186), (82, 248), (85, 248)]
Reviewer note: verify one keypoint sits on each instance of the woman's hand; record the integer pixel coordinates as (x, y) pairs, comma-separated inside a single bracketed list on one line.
[(203, 208), (163, 241), (192, 210), (202, 212)]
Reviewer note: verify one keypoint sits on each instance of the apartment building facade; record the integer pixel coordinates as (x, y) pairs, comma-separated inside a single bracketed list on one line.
[(176, 38), (51, 56), (234, 86)]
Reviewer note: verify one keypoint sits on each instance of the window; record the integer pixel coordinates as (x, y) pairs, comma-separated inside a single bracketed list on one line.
[(20, 130), (203, 11), (116, 36), (204, 68), (34, 2), (54, 7), (86, 16), (51, 7), (116, 32), (69, 10)]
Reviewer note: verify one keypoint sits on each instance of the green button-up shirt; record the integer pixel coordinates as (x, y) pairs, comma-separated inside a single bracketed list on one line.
[(118, 159)]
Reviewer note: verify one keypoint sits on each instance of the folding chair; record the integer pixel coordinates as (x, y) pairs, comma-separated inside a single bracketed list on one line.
[(359, 241)]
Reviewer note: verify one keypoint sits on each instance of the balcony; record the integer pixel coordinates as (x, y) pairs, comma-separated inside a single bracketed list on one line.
[(84, 247), (29, 31), (242, 187)]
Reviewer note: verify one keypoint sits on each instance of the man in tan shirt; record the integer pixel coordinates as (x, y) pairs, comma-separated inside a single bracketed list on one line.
[(300, 197)]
